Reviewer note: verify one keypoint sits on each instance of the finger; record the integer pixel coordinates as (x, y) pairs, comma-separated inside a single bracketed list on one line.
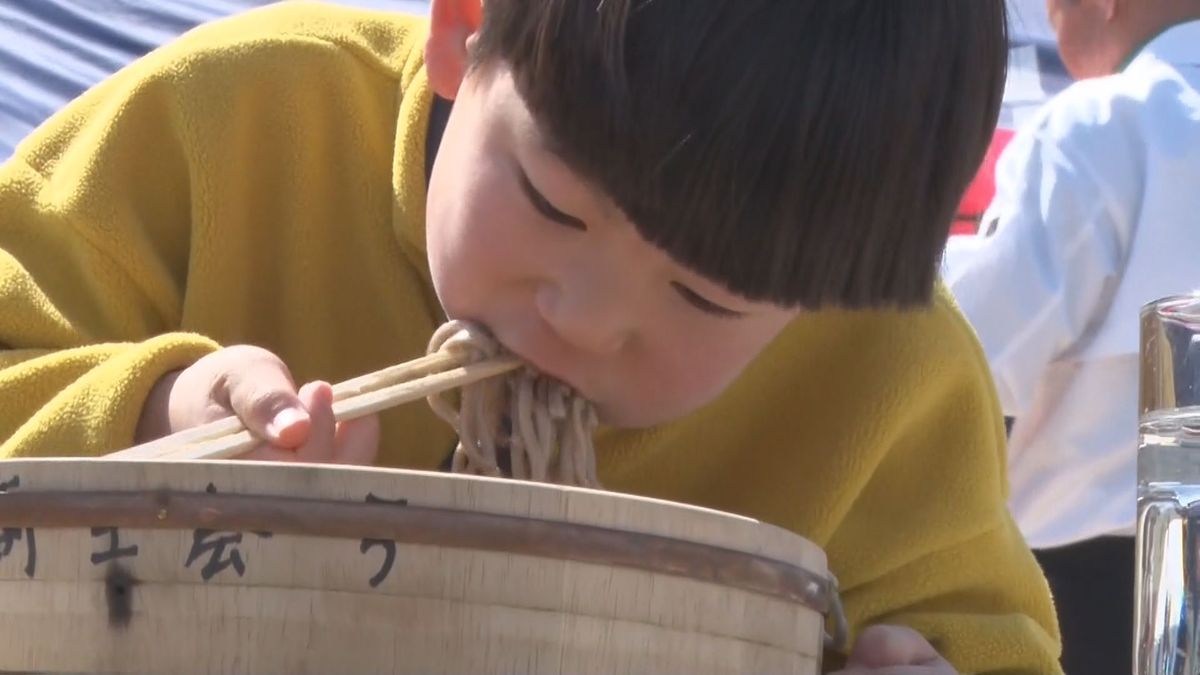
[(319, 446), (880, 646), (269, 453), (357, 441), (262, 394)]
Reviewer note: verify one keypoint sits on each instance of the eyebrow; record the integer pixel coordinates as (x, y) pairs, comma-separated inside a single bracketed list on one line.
[(543, 205)]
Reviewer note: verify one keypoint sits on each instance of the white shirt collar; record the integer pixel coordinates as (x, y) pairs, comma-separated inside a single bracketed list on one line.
[(1178, 45)]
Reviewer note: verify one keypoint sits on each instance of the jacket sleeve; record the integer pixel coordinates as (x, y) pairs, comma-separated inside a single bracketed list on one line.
[(186, 166), (1052, 249), (926, 539), (94, 248)]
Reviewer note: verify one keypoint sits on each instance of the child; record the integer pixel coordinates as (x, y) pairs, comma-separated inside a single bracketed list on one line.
[(672, 206)]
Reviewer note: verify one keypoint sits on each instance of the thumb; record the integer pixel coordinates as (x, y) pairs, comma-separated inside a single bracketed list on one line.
[(263, 395), (883, 646)]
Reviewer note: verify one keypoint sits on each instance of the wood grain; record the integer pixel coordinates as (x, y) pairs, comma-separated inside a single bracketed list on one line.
[(485, 575)]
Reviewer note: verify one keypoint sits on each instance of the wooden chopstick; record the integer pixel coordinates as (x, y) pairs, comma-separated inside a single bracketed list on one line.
[(232, 425), (354, 398)]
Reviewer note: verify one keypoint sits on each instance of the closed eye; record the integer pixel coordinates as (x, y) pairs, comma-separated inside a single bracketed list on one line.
[(544, 206), (704, 304)]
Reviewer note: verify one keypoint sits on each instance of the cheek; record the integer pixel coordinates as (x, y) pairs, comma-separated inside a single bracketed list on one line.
[(686, 374), (1068, 50), (699, 374), (473, 244), (1080, 35)]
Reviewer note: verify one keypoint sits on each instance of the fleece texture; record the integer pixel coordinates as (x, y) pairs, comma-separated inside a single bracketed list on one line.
[(262, 180)]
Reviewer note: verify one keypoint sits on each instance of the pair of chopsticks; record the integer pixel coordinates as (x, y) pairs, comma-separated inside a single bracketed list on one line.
[(403, 383)]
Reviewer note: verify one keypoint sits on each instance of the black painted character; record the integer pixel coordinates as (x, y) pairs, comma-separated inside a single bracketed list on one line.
[(9, 537), (115, 551), (388, 546)]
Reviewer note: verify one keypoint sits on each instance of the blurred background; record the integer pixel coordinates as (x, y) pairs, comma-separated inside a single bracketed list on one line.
[(52, 50)]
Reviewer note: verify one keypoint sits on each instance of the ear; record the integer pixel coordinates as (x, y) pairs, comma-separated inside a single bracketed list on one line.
[(1108, 9), (453, 25)]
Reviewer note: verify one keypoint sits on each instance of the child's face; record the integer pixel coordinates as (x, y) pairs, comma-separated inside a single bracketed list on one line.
[(520, 243)]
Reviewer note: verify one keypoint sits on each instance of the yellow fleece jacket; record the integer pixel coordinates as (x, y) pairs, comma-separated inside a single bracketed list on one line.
[(262, 181)]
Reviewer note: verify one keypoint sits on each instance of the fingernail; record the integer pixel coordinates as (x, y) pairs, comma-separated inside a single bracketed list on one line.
[(284, 420)]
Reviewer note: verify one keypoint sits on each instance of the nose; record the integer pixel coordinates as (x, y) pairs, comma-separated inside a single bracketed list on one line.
[(589, 316)]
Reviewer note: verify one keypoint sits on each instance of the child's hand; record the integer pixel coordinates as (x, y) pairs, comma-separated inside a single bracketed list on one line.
[(894, 650), (255, 385)]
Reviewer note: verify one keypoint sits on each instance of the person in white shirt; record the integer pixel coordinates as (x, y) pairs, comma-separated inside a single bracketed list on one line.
[(1097, 211)]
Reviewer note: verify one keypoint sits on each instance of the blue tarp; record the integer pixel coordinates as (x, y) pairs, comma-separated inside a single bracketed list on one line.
[(52, 50)]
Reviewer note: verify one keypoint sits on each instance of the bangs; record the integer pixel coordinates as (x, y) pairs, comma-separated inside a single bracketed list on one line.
[(804, 153)]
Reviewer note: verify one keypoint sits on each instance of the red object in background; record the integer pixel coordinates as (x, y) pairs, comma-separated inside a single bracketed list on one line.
[(981, 190)]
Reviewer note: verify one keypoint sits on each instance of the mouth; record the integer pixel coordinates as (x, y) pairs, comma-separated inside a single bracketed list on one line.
[(540, 364), (540, 367)]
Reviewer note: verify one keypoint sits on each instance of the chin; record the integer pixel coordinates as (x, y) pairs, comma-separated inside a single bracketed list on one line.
[(627, 418)]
